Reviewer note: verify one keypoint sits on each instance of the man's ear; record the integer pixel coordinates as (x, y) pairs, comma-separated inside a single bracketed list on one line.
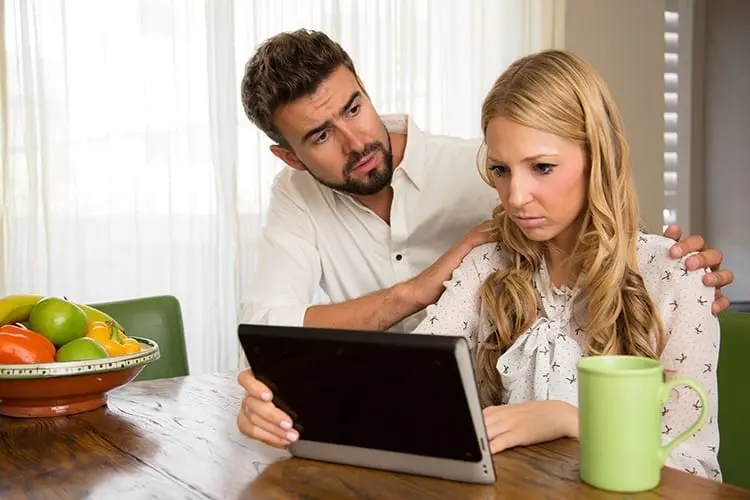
[(287, 157)]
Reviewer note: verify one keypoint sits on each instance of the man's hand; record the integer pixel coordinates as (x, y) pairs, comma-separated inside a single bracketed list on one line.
[(523, 424), (427, 287), (259, 418), (382, 309), (706, 258)]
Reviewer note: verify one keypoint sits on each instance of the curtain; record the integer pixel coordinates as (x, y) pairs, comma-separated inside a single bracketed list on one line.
[(129, 168)]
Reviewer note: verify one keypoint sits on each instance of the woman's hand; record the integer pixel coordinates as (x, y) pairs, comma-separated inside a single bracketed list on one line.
[(528, 423), (259, 418)]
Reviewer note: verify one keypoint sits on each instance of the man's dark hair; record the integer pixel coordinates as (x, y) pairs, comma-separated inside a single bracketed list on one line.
[(286, 67)]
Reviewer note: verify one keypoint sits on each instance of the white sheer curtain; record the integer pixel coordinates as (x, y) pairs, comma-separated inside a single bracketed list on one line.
[(130, 169)]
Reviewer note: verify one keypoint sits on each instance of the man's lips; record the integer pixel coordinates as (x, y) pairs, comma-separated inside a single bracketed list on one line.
[(366, 164)]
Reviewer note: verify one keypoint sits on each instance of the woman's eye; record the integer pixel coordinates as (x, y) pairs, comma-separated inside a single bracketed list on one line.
[(499, 170), (543, 168)]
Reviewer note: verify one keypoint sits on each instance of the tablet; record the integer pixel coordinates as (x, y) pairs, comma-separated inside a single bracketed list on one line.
[(392, 401)]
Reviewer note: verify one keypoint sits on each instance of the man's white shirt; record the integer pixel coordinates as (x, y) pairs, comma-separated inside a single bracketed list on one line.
[(317, 238)]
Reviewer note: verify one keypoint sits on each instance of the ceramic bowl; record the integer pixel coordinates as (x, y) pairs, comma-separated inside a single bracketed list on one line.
[(66, 388)]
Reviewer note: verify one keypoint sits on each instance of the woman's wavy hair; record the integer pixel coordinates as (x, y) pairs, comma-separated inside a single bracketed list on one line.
[(558, 92)]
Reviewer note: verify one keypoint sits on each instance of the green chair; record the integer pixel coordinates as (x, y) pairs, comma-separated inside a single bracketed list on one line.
[(734, 398), (159, 319)]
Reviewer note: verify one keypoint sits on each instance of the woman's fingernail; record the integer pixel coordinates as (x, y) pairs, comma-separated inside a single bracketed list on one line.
[(265, 396), (291, 436), (677, 251), (286, 425)]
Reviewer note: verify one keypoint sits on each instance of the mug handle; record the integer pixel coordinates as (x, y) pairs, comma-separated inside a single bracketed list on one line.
[(666, 392)]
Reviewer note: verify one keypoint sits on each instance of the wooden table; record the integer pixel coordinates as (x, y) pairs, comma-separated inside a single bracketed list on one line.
[(177, 439)]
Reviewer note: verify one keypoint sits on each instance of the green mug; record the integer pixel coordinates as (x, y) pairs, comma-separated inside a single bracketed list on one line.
[(620, 400)]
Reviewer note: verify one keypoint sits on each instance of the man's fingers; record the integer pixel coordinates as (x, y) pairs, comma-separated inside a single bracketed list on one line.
[(254, 387), (486, 225), (710, 258), (673, 232), (693, 243), (719, 278), (483, 233), (720, 304)]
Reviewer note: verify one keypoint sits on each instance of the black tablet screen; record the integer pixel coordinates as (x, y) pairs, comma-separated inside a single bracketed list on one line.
[(404, 398)]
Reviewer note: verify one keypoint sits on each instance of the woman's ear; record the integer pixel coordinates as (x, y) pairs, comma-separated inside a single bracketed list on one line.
[(287, 157)]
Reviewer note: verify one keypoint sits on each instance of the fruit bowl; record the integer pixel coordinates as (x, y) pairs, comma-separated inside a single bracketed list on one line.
[(66, 388)]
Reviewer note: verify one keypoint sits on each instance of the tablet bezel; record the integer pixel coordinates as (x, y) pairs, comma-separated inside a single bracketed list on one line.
[(481, 471)]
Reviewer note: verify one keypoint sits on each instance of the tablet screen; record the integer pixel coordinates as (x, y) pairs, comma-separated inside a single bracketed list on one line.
[(403, 398)]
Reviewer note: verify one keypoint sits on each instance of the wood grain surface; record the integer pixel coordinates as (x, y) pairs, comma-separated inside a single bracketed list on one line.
[(177, 438)]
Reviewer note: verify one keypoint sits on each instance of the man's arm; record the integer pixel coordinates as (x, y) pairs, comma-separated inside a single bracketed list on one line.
[(288, 275), (383, 309), (288, 269)]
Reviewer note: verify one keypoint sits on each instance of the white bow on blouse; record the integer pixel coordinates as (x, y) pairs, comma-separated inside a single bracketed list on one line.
[(541, 364)]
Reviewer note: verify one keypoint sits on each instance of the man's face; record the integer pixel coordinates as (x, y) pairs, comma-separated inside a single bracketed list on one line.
[(337, 136)]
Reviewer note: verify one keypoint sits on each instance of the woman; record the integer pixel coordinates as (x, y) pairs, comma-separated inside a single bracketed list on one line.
[(573, 275)]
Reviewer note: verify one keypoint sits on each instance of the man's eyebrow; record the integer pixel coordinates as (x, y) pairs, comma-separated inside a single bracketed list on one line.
[(351, 100), (328, 123)]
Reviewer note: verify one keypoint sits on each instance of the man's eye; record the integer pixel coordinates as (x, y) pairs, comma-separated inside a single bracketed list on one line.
[(321, 138), (354, 110)]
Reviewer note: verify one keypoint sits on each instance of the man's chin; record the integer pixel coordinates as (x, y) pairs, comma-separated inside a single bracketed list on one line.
[(370, 183)]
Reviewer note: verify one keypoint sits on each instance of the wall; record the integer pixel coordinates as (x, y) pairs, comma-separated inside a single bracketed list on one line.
[(625, 41), (727, 136)]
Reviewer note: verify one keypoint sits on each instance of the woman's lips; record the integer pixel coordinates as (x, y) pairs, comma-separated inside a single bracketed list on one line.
[(529, 222)]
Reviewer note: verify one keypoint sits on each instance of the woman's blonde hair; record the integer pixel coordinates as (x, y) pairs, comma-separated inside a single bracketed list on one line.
[(559, 93)]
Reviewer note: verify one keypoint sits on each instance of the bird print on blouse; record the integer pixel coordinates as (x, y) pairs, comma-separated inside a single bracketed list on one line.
[(541, 364)]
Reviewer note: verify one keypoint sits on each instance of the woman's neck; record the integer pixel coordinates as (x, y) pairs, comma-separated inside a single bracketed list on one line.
[(559, 263)]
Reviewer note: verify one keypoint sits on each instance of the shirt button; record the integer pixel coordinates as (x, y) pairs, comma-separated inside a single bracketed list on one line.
[(398, 256)]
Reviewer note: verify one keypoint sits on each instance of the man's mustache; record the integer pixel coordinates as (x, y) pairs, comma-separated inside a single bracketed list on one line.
[(356, 156)]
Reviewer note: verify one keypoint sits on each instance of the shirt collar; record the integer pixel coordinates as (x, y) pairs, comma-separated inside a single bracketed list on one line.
[(412, 163)]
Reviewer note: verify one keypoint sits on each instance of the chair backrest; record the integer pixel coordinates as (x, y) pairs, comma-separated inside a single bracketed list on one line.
[(159, 319), (734, 398)]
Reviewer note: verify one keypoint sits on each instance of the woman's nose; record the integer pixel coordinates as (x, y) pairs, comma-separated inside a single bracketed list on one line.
[(520, 192)]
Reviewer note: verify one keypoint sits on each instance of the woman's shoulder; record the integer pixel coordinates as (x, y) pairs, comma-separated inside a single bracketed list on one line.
[(487, 258), (658, 268), (648, 244), (653, 253)]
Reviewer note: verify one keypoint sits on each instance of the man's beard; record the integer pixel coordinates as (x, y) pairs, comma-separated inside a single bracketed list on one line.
[(375, 180)]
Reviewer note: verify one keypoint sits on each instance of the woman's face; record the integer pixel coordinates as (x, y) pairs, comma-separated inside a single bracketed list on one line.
[(540, 178)]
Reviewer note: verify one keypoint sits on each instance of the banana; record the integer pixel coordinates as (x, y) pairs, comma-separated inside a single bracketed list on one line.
[(16, 308), (97, 315)]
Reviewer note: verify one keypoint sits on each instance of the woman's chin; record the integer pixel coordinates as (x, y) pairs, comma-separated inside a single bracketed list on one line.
[(540, 234)]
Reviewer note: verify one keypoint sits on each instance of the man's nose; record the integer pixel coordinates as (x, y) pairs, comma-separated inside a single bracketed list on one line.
[(351, 139)]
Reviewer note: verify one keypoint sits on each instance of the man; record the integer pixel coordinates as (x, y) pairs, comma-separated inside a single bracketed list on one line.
[(373, 210)]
